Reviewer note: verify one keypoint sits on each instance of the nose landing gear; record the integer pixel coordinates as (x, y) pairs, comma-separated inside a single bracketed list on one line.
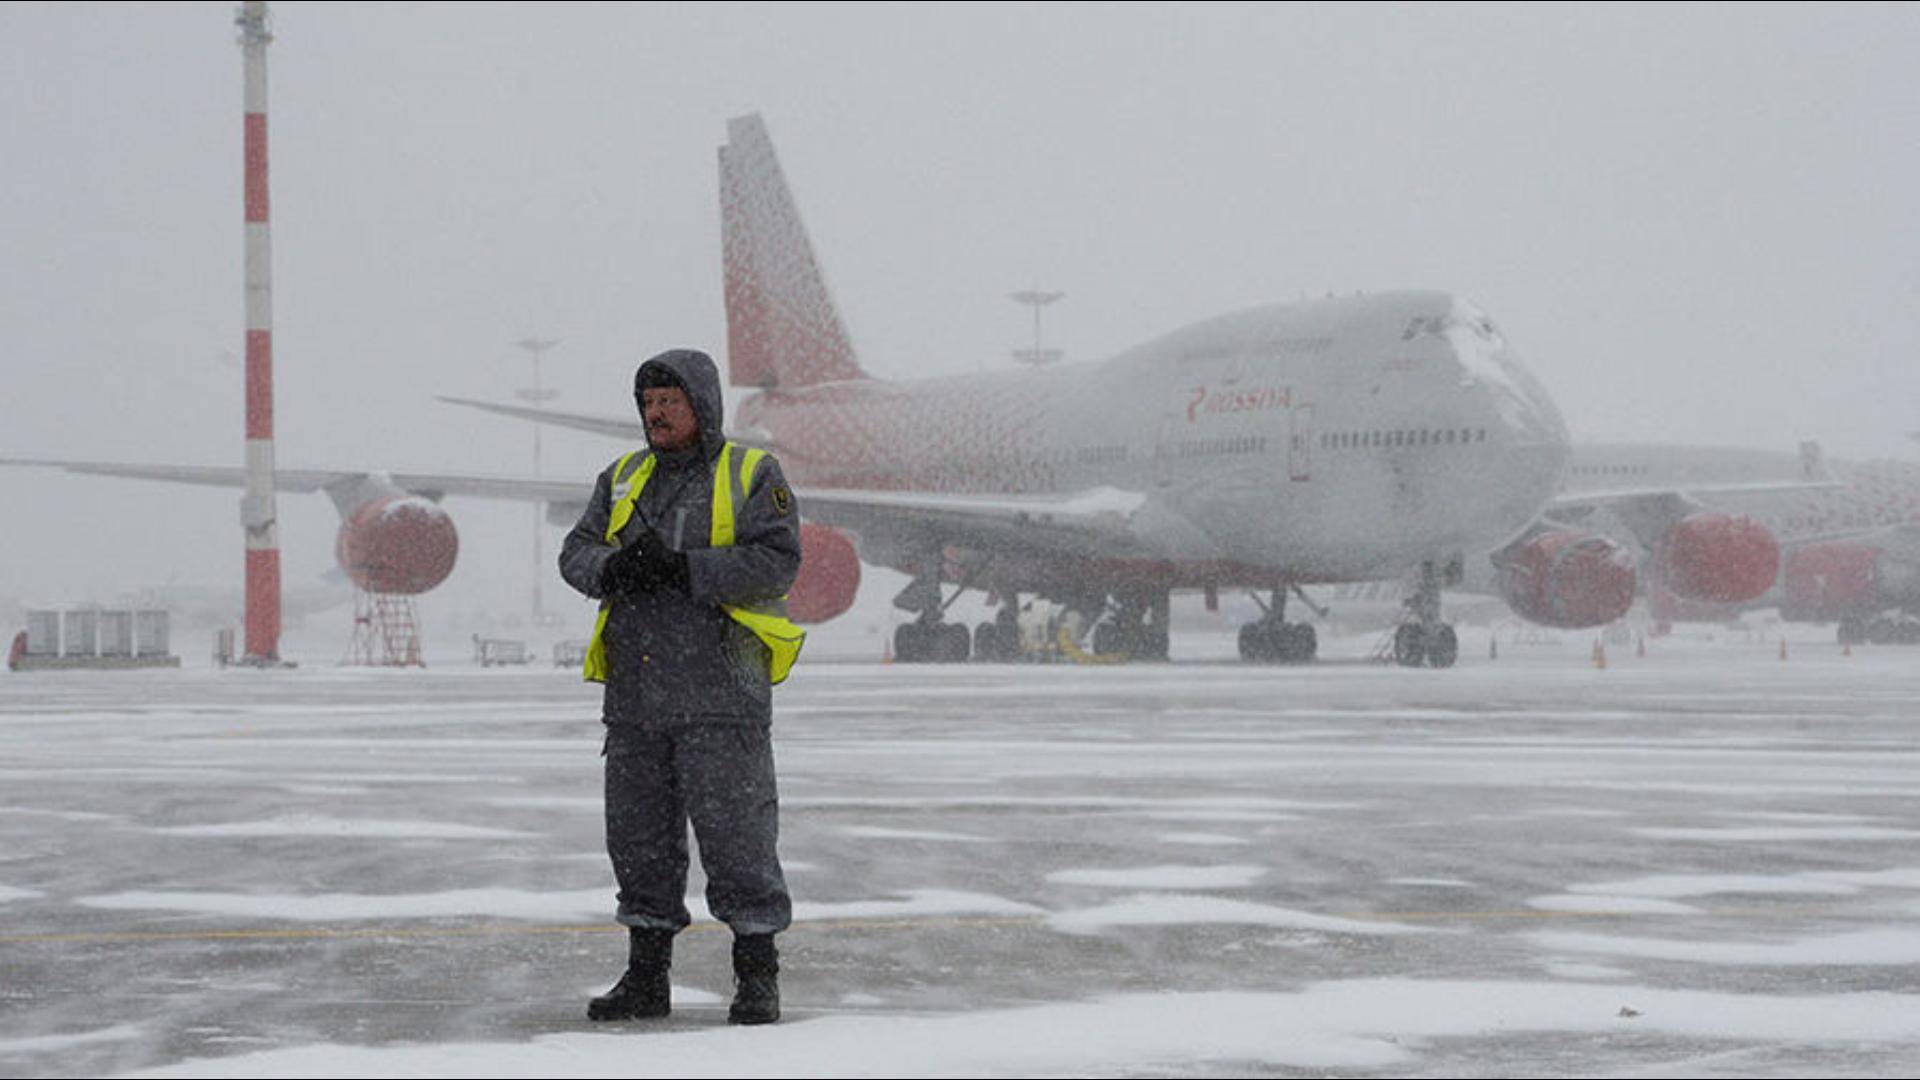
[(1422, 639), (1415, 645)]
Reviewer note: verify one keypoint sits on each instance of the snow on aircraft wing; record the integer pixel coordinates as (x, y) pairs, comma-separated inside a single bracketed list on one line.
[(431, 485), (295, 480), (1000, 522), (1651, 511), (1042, 524), (1691, 493), (619, 427)]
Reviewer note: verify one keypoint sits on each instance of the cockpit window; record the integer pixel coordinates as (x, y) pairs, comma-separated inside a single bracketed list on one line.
[(1465, 314), (1465, 318)]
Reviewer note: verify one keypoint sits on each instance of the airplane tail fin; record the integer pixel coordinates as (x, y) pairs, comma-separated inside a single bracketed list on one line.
[(782, 327)]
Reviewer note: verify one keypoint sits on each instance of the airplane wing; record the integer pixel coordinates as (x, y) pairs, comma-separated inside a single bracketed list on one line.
[(1903, 538), (620, 427), (1038, 524), (295, 480), (1041, 524), (429, 485), (1650, 512), (1692, 494)]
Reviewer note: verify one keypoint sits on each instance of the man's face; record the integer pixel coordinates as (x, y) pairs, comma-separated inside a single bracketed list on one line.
[(669, 417)]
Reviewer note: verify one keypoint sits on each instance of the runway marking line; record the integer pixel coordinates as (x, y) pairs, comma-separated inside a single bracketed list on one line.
[(360, 933)]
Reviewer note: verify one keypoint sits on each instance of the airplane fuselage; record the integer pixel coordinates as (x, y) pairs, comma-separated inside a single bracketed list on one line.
[(1335, 440)]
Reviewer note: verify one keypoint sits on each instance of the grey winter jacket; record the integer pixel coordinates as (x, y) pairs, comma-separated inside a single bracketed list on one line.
[(673, 656)]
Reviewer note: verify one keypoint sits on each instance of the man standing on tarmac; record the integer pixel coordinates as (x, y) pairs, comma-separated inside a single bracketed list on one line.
[(690, 547)]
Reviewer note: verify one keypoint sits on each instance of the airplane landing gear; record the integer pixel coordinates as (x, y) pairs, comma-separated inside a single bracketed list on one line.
[(1136, 629), (999, 641), (928, 639), (1422, 638), (1415, 645), (1274, 640)]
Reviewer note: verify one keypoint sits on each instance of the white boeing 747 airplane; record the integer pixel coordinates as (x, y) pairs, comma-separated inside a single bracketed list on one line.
[(1291, 444)]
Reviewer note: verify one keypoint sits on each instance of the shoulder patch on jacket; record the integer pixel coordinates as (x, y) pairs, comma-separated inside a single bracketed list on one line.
[(782, 499)]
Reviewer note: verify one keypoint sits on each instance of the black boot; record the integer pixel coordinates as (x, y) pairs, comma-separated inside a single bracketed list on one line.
[(756, 980), (644, 992)]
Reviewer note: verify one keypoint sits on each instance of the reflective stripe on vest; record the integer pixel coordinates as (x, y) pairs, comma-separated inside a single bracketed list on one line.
[(767, 619)]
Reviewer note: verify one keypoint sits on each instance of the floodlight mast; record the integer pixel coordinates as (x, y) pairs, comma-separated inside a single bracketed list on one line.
[(1036, 299)]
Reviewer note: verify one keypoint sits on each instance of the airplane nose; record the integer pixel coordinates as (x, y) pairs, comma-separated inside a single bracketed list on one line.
[(1521, 406), (1526, 411), (1534, 432), (1521, 416)]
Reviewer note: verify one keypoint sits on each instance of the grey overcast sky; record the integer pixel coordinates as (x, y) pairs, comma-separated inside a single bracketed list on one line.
[(1698, 223)]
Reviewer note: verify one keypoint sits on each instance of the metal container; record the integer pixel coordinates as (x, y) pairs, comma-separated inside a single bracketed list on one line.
[(43, 633), (150, 632), (82, 628), (116, 633)]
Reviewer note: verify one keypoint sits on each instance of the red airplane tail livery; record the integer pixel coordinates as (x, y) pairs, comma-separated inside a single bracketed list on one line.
[(783, 331)]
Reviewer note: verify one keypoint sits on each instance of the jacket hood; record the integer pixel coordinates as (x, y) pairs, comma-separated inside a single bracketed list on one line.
[(697, 372)]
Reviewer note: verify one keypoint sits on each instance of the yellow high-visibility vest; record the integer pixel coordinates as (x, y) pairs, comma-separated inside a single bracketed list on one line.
[(767, 619)]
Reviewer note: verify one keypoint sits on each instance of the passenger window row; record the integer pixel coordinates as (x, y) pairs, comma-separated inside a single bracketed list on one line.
[(1243, 444), (1356, 440), (1090, 454)]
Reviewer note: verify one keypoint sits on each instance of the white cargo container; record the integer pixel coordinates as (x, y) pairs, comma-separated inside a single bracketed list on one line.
[(82, 633), (116, 633), (151, 631), (43, 633), (92, 638)]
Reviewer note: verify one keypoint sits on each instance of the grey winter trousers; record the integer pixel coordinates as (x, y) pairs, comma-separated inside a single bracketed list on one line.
[(719, 777)]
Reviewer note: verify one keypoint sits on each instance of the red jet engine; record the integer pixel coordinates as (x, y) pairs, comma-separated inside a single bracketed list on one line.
[(1718, 558), (400, 544), (1830, 581), (829, 575), (1568, 579)]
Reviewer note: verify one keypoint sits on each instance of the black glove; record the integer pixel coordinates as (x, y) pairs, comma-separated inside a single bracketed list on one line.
[(645, 565)]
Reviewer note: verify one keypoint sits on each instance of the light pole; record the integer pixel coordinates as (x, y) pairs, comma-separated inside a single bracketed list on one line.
[(1036, 299), (536, 396)]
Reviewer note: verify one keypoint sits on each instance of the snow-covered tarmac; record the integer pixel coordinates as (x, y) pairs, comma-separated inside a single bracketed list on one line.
[(1700, 862)]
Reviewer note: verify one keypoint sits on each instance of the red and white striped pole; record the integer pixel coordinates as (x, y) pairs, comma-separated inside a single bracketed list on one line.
[(257, 508)]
